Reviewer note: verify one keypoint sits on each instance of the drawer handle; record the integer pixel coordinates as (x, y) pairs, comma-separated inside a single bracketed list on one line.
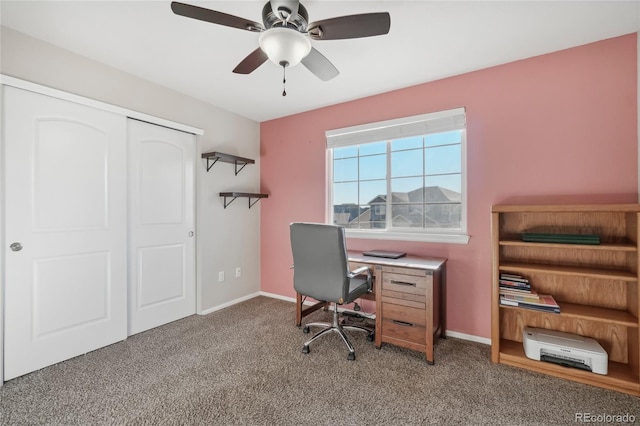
[(403, 283), (404, 323)]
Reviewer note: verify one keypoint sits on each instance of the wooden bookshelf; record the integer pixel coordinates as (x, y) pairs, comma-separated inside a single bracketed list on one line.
[(596, 286)]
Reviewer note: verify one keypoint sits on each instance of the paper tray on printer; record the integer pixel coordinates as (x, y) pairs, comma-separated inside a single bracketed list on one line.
[(565, 362)]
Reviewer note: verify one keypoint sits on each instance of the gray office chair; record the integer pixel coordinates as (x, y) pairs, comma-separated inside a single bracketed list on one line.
[(321, 271)]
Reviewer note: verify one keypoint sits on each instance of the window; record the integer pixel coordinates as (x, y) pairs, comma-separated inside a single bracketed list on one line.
[(400, 179)]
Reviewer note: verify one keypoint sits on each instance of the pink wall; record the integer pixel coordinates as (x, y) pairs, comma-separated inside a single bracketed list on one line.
[(557, 128)]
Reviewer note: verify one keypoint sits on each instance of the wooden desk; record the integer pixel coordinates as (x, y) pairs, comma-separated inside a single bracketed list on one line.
[(410, 295)]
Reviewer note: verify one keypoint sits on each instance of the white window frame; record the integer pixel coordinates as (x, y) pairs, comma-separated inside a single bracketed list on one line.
[(437, 122)]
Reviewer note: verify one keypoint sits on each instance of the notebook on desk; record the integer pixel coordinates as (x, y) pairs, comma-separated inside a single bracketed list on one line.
[(384, 253)]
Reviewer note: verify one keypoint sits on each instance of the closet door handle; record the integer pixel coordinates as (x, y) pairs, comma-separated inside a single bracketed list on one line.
[(16, 247)]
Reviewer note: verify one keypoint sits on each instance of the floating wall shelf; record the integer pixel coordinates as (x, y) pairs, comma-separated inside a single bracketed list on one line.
[(214, 157), (250, 196)]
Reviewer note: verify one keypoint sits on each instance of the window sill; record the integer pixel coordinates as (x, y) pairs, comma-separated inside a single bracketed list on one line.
[(409, 236)]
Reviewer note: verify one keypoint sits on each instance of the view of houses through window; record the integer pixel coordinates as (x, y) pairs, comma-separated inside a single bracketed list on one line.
[(414, 183)]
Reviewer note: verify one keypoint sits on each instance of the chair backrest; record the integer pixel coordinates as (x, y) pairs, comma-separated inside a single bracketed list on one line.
[(320, 261)]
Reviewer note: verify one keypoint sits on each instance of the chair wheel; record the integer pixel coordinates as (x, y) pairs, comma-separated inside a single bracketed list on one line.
[(371, 337), (351, 356), (305, 349), (305, 330)]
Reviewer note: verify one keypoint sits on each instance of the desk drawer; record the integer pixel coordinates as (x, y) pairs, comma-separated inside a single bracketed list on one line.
[(398, 332), (404, 283), (405, 314), (405, 299), (403, 325)]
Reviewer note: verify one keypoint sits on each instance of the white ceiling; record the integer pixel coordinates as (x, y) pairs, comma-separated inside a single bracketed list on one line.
[(428, 40)]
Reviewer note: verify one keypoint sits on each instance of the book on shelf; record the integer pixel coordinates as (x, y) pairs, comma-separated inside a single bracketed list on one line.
[(539, 302), (517, 292), (521, 298), (511, 284), (515, 282), (560, 238), (516, 289), (513, 277)]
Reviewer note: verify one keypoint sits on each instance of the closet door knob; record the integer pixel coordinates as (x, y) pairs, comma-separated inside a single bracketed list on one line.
[(16, 246), (191, 233)]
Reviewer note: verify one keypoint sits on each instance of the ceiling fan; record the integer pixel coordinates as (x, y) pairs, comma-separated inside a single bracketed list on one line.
[(285, 37)]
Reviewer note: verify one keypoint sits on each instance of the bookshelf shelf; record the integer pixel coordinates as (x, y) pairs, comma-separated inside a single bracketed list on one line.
[(568, 270), (596, 286), (625, 247), (620, 376), (591, 313)]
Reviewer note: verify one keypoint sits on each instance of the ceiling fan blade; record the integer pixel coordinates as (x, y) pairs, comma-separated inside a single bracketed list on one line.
[(251, 62), (214, 17), (319, 65), (351, 26)]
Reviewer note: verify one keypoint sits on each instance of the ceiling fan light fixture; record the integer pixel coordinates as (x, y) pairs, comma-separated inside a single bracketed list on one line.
[(284, 46)]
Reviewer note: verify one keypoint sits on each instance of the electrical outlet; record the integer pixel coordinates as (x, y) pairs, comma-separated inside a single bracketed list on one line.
[(220, 276), (238, 272)]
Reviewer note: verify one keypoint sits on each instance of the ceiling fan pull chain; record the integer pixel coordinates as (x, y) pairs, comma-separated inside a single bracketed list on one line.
[(284, 80)]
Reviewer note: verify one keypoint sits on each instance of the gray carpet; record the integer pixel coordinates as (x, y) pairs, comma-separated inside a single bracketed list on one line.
[(244, 365)]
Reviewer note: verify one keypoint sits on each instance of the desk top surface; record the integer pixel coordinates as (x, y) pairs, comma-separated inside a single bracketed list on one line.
[(428, 263)]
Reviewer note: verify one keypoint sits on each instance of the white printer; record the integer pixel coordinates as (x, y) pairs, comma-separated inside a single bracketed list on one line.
[(566, 349)]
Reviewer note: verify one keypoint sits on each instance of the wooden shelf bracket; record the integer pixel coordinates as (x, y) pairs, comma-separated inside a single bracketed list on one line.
[(251, 196)]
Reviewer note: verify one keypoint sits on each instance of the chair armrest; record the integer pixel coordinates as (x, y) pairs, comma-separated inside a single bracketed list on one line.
[(360, 271)]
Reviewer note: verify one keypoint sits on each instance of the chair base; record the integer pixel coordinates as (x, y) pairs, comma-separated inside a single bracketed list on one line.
[(336, 327)]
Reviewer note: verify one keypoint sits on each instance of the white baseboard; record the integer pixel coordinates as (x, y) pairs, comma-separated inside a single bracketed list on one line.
[(277, 296), (449, 333), (469, 337), (230, 303)]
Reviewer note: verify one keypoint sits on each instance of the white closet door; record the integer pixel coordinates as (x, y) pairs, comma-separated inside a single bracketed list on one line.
[(65, 206), (161, 225)]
